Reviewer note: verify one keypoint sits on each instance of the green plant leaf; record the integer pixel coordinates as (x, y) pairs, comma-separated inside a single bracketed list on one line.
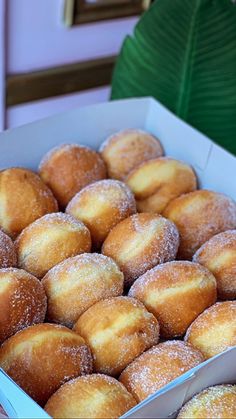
[(183, 53)]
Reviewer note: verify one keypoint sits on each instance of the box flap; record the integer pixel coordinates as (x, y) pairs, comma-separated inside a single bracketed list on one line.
[(220, 172), (179, 139), (217, 370), (25, 146)]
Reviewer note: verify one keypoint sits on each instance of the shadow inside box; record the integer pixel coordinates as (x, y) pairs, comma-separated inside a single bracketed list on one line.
[(2, 413)]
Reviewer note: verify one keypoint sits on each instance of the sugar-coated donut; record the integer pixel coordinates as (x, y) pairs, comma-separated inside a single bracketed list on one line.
[(23, 198), (42, 357), (93, 396), (117, 330), (176, 293), (68, 168), (8, 256), (79, 282), (101, 206), (219, 256), (22, 301), (214, 330), (156, 182), (158, 367), (199, 215), (49, 240), (213, 402), (127, 149), (141, 242)]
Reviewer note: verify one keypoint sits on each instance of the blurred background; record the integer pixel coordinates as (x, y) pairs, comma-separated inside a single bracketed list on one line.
[(59, 54)]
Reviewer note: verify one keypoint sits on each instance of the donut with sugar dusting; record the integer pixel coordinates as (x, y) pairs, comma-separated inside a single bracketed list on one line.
[(24, 198), (42, 357), (156, 182), (199, 215), (49, 240), (23, 301), (127, 149), (117, 330), (8, 256), (141, 242), (101, 206), (213, 402), (93, 396), (214, 330), (68, 168), (176, 293), (79, 282), (158, 366), (219, 256)]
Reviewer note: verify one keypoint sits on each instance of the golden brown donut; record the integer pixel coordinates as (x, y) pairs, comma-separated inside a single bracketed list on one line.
[(127, 149), (158, 367), (219, 256), (22, 301), (8, 256), (156, 182), (117, 330), (213, 402), (79, 282), (141, 242), (50, 240), (93, 396), (198, 216), (23, 198), (214, 330), (68, 168), (101, 206), (176, 293), (44, 356)]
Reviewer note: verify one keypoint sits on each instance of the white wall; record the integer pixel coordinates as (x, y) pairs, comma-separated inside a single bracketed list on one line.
[(37, 37), (29, 112)]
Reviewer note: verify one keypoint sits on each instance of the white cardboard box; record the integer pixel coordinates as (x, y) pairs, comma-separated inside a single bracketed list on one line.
[(216, 170)]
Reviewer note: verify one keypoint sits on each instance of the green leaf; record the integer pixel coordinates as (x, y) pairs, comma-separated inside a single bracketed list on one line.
[(183, 53)]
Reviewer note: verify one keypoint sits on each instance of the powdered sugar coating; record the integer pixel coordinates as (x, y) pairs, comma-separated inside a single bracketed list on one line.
[(7, 251), (101, 206), (176, 293), (169, 268), (79, 282), (70, 167), (199, 215), (158, 366), (219, 255), (158, 181), (141, 242), (126, 149), (62, 147), (54, 353), (22, 301), (214, 330), (216, 402), (50, 240), (56, 218), (93, 396), (24, 197), (222, 240), (117, 193), (117, 330)]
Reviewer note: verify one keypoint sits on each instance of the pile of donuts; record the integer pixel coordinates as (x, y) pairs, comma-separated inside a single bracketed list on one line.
[(117, 275)]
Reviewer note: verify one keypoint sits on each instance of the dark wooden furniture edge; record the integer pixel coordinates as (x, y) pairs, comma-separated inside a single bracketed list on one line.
[(57, 81)]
